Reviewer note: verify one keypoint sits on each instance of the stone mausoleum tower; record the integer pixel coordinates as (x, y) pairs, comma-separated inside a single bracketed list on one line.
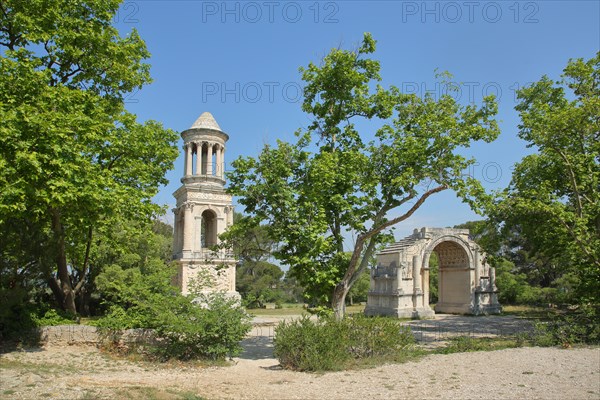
[(203, 210)]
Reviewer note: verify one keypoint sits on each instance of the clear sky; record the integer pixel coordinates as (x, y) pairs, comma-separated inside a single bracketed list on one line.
[(239, 61)]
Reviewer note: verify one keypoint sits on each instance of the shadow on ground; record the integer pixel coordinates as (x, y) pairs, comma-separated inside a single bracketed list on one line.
[(257, 348), (259, 344)]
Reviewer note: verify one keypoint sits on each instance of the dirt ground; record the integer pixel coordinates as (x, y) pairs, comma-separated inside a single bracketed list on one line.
[(82, 372)]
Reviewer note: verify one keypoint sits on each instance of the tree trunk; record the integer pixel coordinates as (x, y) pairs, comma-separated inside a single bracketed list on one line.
[(338, 302), (66, 295)]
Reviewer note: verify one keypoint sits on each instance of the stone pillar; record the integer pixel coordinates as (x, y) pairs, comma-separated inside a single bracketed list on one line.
[(218, 161), (188, 159), (416, 273), (188, 226), (492, 278), (477, 271), (199, 159), (425, 285), (222, 164), (209, 163)]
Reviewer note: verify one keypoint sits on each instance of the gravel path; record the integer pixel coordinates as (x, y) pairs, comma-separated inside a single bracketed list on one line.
[(524, 373), (82, 372)]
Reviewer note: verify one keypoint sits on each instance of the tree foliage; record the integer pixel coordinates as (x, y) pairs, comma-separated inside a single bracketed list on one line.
[(554, 197), (259, 283), (335, 182), (257, 280), (143, 297), (71, 157)]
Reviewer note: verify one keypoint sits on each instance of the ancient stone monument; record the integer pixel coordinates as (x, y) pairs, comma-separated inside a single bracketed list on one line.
[(203, 210), (400, 281)]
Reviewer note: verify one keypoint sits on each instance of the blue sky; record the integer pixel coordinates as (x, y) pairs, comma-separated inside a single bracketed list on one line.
[(239, 61)]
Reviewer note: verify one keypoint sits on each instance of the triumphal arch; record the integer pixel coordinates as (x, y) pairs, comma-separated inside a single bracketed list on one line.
[(203, 211), (400, 280)]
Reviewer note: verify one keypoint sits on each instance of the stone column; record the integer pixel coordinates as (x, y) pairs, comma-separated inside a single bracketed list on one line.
[(188, 226), (425, 285), (218, 161), (477, 271), (416, 272), (222, 161), (188, 159), (198, 159), (209, 163), (492, 278)]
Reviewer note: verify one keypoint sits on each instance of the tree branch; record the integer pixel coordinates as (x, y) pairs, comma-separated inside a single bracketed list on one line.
[(406, 215), (364, 262), (85, 261), (573, 180)]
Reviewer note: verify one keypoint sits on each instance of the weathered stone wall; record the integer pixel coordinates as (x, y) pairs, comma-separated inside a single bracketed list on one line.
[(85, 334)]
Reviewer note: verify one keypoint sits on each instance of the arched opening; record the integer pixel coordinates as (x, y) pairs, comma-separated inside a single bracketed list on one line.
[(208, 229), (454, 282)]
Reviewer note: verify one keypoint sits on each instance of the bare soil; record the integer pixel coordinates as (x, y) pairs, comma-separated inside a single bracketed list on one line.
[(83, 372)]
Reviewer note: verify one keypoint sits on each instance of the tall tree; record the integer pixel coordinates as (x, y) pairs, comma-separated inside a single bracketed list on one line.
[(257, 280), (71, 156), (333, 183), (554, 195)]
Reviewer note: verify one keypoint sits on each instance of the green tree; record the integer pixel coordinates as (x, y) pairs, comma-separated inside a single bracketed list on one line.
[(334, 182), (259, 283), (257, 280), (126, 245), (554, 195), (524, 273), (360, 290), (71, 156)]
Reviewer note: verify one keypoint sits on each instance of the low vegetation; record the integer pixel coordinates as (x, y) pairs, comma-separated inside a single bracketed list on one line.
[(197, 326), (327, 344)]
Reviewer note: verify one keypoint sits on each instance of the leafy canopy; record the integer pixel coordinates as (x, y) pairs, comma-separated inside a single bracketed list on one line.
[(71, 157), (554, 196), (333, 183)]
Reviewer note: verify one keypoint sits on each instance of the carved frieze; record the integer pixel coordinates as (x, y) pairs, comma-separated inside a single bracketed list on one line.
[(209, 196)]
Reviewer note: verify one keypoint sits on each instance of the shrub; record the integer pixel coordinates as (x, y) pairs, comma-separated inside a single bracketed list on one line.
[(306, 345), (327, 344), (213, 331), (576, 327), (52, 318), (376, 336), (184, 328)]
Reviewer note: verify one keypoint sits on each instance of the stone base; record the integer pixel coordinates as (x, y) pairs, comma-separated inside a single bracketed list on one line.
[(453, 308), (419, 313), (482, 309), (487, 309)]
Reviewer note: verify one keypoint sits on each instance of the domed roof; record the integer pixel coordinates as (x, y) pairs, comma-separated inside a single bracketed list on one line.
[(206, 121)]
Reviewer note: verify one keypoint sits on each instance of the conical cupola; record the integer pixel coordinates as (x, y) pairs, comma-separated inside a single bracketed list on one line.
[(204, 146)]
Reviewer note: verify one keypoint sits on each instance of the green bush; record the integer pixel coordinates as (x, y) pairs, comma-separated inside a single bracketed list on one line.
[(576, 327), (306, 345), (327, 344), (52, 318), (185, 327), (213, 331), (376, 336)]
